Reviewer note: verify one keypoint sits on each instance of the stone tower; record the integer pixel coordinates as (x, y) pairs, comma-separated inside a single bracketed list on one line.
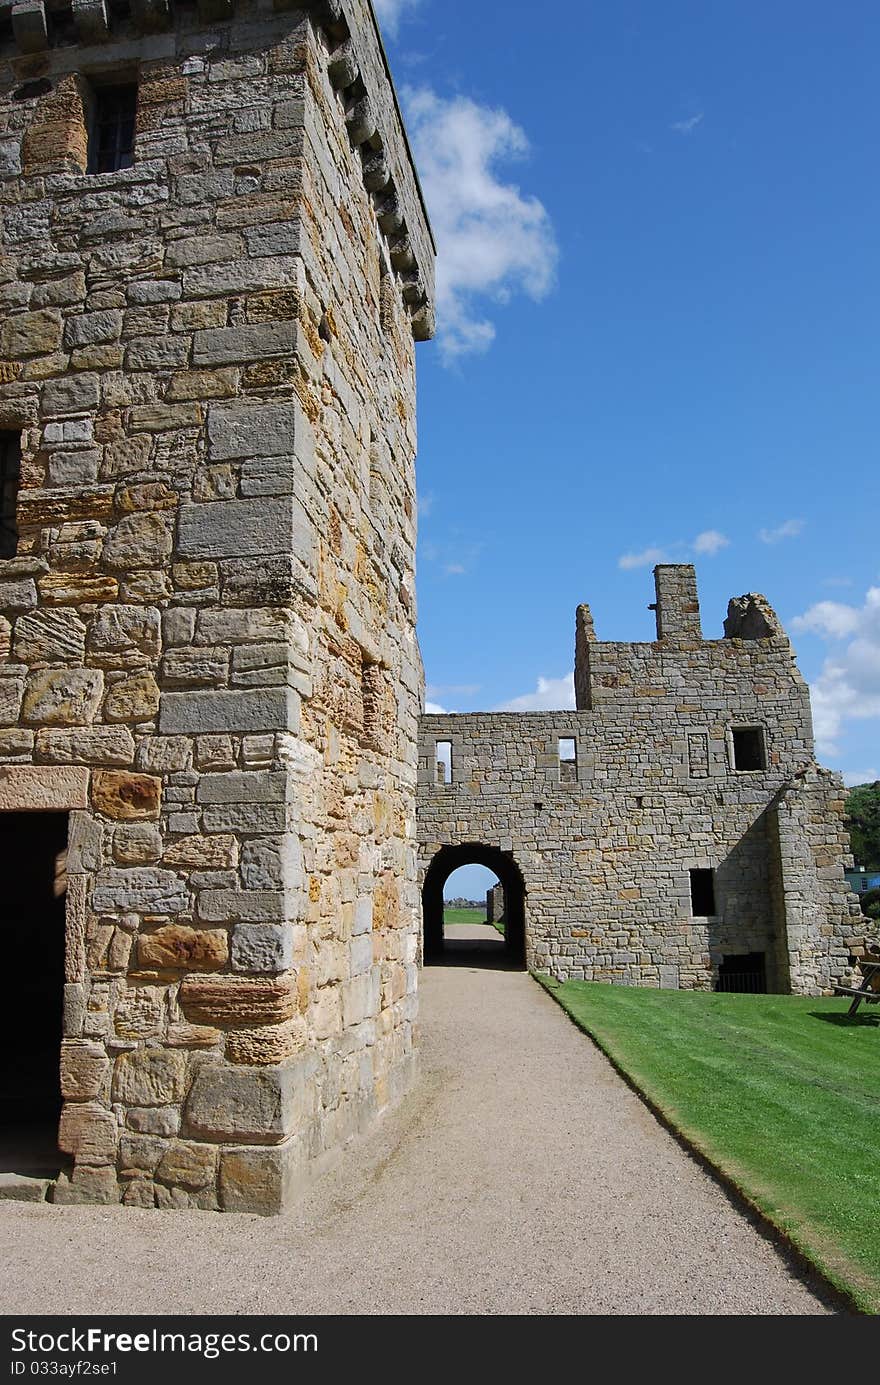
[(215, 262)]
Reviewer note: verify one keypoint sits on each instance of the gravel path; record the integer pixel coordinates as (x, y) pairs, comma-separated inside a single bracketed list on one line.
[(522, 1177)]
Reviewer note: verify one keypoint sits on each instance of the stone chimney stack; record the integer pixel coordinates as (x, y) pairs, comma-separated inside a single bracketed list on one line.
[(677, 605), (215, 260)]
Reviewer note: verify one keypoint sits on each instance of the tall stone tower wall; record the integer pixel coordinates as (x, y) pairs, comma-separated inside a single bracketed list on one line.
[(208, 646)]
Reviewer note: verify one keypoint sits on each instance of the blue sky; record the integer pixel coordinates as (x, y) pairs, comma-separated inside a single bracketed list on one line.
[(657, 334)]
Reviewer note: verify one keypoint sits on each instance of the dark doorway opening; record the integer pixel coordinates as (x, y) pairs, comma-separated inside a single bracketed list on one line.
[(33, 850), (746, 973), (511, 952)]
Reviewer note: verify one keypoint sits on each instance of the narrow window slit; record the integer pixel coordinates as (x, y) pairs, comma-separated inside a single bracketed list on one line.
[(567, 750), (10, 475), (443, 761)]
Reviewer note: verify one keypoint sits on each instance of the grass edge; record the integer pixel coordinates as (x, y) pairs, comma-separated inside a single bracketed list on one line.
[(853, 1297)]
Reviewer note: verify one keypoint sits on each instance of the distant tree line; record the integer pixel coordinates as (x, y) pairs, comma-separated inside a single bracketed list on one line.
[(863, 811)]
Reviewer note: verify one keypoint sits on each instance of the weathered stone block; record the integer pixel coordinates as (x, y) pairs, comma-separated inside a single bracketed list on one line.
[(188, 1166), (86, 1185), (84, 1069), (125, 796), (237, 528), (133, 699), (238, 1002), (24, 788), (176, 945), (263, 1047), (93, 745), (49, 637), (62, 697), (140, 540), (242, 430), (125, 636), (249, 905), (251, 709), (71, 394), (74, 588), (31, 334), (254, 787), (88, 1131), (140, 889), (246, 1105), (202, 853), (262, 947), (150, 1077), (228, 345), (18, 595), (257, 1180), (137, 845)]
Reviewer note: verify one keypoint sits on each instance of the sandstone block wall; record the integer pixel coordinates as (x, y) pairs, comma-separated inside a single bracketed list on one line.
[(605, 848), (208, 648)]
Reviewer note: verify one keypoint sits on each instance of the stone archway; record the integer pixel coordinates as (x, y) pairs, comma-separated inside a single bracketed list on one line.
[(448, 859)]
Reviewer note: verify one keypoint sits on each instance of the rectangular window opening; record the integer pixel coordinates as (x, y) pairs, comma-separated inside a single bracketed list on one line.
[(702, 893), (748, 748), (744, 974), (111, 127), (443, 761), (10, 475), (567, 750)]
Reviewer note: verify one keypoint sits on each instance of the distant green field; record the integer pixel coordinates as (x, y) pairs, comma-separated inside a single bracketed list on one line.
[(454, 916)]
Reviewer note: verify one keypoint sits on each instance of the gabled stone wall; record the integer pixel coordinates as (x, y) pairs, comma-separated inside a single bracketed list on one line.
[(209, 625), (606, 850)]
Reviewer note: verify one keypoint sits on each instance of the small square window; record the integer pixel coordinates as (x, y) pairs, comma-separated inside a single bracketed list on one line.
[(111, 128), (702, 893), (10, 474), (748, 748)]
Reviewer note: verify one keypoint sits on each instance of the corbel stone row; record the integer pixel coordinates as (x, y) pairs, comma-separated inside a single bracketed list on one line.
[(344, 71), (30, 27)]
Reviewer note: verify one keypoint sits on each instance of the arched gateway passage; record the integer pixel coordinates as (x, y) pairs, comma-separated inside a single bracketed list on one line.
[(448, 859)]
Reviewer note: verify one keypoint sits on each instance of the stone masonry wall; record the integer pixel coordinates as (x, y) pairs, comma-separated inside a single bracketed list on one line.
[(207, 633), (606, 850)]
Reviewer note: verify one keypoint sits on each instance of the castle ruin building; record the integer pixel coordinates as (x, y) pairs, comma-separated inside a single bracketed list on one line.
[(674, 830), (215, 262)]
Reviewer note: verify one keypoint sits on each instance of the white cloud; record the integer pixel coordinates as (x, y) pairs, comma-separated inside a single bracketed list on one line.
[(647, 558), (425, 504), (434, 708), (787, 530), (687, 127), (493, 241), (389, 12), (710, 542), (550, 695), (705, 545), (832, 619), (848, 687)]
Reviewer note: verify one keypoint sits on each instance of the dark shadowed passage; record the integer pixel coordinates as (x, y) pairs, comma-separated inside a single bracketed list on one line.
[(482, 943), (32, 851)]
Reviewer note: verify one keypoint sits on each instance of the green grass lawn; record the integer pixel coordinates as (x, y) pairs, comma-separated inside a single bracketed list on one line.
[(463, 916), (782, 1093)]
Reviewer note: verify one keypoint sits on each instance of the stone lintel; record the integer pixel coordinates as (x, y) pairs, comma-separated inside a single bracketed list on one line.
[(43, 788)]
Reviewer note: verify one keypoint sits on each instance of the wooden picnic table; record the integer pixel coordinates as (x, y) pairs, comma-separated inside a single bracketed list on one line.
[(869, 991)]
